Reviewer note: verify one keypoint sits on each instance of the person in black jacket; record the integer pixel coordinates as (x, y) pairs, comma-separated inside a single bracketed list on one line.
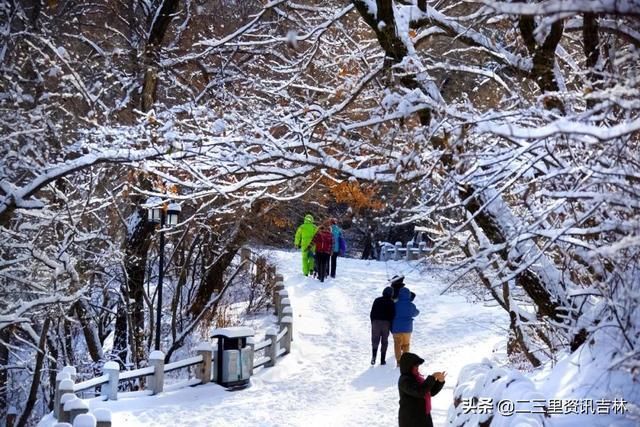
[(416, 391), (382, 313)]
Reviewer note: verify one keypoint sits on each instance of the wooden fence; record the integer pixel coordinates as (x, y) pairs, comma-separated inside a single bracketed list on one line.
[(397, 252), (70, 410)]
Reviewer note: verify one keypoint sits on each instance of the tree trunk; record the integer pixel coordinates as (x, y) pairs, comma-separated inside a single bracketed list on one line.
[(33, 392), (88, 323), (214, 281), (4, 361)]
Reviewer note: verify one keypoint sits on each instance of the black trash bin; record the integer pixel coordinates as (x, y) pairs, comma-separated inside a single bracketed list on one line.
[(232, 356)]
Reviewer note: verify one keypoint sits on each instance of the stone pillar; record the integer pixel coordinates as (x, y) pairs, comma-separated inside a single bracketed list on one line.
[(287, 322), (62, 375), (396, 254), (84, 420), (272, 350), (76, 407), (279, 286), (65, 387), (156, 359), (203, 373), (283, 305), (422, 248), (71, 370), (65, 414), (409, 251), (112, 369), (103, 417)]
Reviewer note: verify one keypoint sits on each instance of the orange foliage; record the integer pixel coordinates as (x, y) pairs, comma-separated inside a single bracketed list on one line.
[(356, 196)]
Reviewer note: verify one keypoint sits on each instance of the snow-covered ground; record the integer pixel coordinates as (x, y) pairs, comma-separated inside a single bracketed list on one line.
[(327, 378)]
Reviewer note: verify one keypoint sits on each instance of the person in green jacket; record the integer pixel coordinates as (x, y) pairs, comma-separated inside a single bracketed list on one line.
[(304, 235)]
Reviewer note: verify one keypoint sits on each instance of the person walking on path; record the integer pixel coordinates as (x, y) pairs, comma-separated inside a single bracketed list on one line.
[(304, 235), (402, 324), (416, 391), (338, 240), (396, 283), (323, 242), (368, 246), (382, 313)]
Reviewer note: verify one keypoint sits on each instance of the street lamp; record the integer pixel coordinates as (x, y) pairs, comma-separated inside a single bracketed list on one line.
[(163, 214)]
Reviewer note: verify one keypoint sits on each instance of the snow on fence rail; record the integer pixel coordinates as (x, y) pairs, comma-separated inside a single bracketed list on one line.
[(69, 409)]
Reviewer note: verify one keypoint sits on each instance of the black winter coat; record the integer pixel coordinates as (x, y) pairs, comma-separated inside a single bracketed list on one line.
[(383, 308), (412, 412)]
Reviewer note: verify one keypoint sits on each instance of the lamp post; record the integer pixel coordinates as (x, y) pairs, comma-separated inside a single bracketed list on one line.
[(164, 215)]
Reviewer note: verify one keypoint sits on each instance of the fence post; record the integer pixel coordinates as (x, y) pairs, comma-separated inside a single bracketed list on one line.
[(203, 373), (287, 322), (283, 305), (276, 295), (65, 386), (286, 311), (384, 255), (112, 369), (65, 415), (103, 417), (396, 254), (272, 335), (251, 343), (409, 250), (56, 396), (84, 420), (71, 370), (76, 407), (156, 359), (422, 248), (282, 295)]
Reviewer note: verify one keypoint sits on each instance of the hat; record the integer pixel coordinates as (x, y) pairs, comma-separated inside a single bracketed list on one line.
[(396, 280), (387, 292)]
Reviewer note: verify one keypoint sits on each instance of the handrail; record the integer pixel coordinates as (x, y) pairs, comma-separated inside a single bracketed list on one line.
[(261, 361), (262, 344), (136, 373), (91, 383), (282, 333), (179, 364)]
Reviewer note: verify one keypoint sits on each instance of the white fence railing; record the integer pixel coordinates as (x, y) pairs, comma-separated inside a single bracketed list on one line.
[(69, 409), (396, 252)]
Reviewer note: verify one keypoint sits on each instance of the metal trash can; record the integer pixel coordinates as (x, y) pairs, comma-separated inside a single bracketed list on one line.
[(232, 356)]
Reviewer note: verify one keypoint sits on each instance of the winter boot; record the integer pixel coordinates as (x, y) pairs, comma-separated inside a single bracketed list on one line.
[(373, 356), (383, 356)]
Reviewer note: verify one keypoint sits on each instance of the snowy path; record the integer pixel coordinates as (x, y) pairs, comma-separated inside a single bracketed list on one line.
[(327, 378)]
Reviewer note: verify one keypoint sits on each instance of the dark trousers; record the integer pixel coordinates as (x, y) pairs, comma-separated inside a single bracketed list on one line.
[(334, 257), (322, 261), (380, 333)]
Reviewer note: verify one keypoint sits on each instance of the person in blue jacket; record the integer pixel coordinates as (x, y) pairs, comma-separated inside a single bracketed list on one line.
[(337, 239), (402, 324)]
